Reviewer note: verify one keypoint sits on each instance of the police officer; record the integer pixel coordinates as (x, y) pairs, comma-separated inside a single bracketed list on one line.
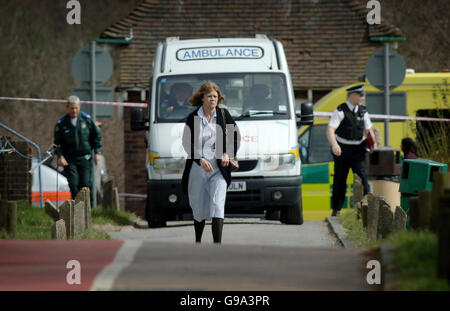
[(345, 133), (77, 135)]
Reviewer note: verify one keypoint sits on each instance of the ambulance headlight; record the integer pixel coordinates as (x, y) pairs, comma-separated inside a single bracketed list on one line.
[(278, 162), (287, 159), (168, 165)]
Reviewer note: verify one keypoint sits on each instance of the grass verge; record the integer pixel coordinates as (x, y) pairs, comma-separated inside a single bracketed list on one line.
[(415, 259), (114, 217), (355, 230), (415, 256), (34, 224)]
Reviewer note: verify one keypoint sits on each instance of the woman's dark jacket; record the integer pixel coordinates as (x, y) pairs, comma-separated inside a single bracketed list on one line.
[(188, 145)]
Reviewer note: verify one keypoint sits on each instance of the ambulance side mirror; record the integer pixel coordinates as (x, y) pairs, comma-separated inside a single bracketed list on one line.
[(306, 115), (138, 122)]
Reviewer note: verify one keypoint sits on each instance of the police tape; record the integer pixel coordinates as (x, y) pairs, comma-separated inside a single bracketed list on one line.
[(45, 100), (142, 105), (388, 117)]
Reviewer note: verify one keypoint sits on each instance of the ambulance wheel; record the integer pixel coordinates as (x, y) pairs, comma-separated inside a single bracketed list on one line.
[(273, 214), (155, 215), (171, 215), (292, 215)]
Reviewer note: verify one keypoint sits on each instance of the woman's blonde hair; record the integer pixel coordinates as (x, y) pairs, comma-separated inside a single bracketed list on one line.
[(205, 88)]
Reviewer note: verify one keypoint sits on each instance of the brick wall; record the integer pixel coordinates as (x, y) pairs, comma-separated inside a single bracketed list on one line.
[(135, 152), (113, 149), (15, 181)]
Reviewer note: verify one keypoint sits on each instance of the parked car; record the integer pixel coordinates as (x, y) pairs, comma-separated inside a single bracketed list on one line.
[(55, 187)]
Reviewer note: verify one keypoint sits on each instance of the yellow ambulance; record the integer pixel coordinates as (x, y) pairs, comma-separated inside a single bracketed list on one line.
[(420, 95)]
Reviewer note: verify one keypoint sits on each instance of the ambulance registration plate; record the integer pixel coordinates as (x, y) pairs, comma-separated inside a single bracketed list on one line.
[(237, 186)]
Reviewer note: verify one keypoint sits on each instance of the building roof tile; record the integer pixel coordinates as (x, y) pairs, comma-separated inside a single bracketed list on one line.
[(327, 42)]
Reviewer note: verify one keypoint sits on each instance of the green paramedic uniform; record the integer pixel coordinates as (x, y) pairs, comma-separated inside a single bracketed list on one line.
[(76, 144)]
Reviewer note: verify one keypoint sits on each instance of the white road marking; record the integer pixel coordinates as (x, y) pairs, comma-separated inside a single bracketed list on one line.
[(125, 256)]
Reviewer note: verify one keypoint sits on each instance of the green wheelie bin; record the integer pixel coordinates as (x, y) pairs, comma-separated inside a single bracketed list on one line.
[(416, 175)]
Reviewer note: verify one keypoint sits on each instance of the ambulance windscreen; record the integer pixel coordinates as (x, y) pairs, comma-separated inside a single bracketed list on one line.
[(249, 96)]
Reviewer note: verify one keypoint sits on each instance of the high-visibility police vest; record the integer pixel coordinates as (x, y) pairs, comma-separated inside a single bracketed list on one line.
[(352, 126)]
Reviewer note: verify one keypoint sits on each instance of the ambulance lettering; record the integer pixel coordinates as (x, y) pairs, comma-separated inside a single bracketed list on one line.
[(249, 139), (222, 52)]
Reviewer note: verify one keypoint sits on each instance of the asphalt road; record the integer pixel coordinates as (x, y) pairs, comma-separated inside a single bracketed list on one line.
[(163, 266), (255, 254), (239, 231)]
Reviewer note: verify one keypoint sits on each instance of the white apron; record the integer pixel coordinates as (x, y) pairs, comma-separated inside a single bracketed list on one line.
[(207, 190)]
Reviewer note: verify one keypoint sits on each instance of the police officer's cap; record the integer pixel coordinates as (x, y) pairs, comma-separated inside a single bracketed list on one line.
[(356, 89)]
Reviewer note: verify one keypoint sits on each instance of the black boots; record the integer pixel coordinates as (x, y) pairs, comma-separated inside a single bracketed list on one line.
[(199, 226), (335, 213), (217, 225)]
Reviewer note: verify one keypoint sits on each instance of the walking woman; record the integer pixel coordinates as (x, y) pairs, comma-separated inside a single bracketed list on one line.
[(209, 143)]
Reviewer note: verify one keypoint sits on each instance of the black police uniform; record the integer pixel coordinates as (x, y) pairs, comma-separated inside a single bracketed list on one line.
[(352, 156), (75, 144)]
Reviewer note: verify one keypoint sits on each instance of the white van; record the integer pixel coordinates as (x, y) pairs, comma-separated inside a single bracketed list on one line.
[(253, 75)]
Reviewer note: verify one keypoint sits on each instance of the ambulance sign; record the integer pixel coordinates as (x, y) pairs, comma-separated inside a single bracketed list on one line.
[(248, 52)]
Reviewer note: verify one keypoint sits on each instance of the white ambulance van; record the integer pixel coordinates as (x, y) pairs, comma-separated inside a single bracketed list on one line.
[(253, 74)]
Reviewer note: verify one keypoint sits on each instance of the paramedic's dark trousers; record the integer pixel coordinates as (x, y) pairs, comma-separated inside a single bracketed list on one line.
[(352, 156), (79, 175)]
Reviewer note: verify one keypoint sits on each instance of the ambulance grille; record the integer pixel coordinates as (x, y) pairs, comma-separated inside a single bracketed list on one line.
[(244, 196)]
